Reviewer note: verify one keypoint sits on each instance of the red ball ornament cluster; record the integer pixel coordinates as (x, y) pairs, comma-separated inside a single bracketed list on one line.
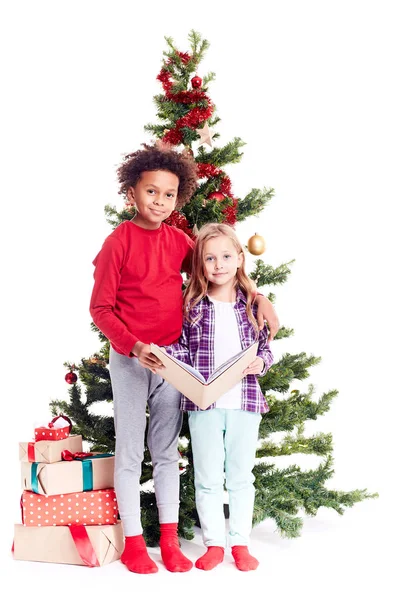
[(195, 116), (196, 81), (71, 377), (216, 196), (202, 110)]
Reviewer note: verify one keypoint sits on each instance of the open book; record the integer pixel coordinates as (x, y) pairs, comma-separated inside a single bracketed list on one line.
[(192, 384)]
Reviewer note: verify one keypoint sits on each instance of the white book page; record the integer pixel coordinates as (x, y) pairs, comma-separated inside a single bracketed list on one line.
[(227, 364), (187, 367)]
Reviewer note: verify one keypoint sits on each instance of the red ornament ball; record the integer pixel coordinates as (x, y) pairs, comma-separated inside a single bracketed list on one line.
[(71, 377), (216, 196), (197, 82)]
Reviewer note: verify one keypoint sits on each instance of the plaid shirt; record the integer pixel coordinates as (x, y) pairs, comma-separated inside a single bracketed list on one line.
[(196, 347)]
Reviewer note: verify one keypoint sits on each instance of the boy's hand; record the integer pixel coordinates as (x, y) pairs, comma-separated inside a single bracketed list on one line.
[(266, 312), (146, 358), (255, 368)]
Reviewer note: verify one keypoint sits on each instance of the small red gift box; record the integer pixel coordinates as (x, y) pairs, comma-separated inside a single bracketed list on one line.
[(59, 428), (98, 507)]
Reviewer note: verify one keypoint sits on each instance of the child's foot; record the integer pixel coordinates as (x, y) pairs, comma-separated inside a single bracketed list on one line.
[(135, 556), (171, 554), (243, 559), (213, 557)]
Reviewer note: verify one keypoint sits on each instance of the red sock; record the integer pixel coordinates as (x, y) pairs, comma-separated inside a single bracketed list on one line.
[(243, 559), (213, 557), (135, 555), (171, 554)]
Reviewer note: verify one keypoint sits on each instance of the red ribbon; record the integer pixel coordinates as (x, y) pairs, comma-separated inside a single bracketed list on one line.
[(31, 451), (67, 455), (51, 424), (84, 545)]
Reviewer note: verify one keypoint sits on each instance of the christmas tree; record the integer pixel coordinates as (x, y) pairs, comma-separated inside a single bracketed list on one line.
[(187, 118)]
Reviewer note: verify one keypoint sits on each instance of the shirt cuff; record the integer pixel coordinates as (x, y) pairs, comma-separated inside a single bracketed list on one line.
[(264, 369)]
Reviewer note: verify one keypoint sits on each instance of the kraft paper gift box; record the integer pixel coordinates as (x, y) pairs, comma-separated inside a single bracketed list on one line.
[(95, 472), (92, 546), (98, 507), (47, 451)]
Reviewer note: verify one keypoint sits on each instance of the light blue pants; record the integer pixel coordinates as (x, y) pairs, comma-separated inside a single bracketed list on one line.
[(224, 440)]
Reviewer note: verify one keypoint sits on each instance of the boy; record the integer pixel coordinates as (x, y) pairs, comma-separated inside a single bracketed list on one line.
[(137, 299)]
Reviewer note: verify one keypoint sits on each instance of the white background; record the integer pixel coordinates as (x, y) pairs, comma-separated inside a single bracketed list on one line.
[(312, 88)]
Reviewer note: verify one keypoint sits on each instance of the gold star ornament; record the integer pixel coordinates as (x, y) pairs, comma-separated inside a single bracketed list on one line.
[(206, 135)]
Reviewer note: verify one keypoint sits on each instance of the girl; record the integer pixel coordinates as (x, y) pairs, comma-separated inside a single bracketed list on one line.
[(219, 323)]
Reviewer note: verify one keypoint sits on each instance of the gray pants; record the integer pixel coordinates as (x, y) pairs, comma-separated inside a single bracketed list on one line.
[(134, 388)]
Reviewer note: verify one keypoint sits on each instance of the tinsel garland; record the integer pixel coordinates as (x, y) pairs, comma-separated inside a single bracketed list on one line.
[(174, 136), (193, 117), (230, 212), (206, 170), (178, 220)]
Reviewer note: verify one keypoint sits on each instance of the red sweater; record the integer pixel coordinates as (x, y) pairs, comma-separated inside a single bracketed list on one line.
[(137, 293)]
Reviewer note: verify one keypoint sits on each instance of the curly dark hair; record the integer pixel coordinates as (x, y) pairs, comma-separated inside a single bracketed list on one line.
[(163, 157)]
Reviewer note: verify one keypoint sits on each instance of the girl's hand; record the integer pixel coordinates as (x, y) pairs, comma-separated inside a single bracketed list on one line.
[(266, 312), (146, 358), (255, 368)]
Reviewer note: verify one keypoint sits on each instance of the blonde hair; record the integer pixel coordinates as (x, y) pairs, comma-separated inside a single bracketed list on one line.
[(198, 284)]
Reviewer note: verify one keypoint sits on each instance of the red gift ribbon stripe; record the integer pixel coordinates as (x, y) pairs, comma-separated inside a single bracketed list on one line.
[(31, 451), (84, 545)]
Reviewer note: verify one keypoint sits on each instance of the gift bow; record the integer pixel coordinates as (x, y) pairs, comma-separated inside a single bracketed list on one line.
[(67, 455), (87, 465)]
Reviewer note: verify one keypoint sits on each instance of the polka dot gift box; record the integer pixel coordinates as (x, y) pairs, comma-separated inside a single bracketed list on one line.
[(59, 428), (98, 507)]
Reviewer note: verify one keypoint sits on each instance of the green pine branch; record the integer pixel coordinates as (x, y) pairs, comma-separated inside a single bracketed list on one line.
[(207, 186), (282, 493), (114, 218), (198, 46), (198, 213), (266, 274), (319, 444), (254, 203), (284, 332), (214, 120), (97, 430), (156, 130), (99, 333), (219, 157), (208, 78), (287, 368), (288, 413)]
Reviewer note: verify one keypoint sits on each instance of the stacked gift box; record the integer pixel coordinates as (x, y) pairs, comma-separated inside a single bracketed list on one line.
[(68, 504)]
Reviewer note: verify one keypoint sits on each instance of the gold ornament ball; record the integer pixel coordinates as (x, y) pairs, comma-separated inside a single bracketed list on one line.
[(256, 244)]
